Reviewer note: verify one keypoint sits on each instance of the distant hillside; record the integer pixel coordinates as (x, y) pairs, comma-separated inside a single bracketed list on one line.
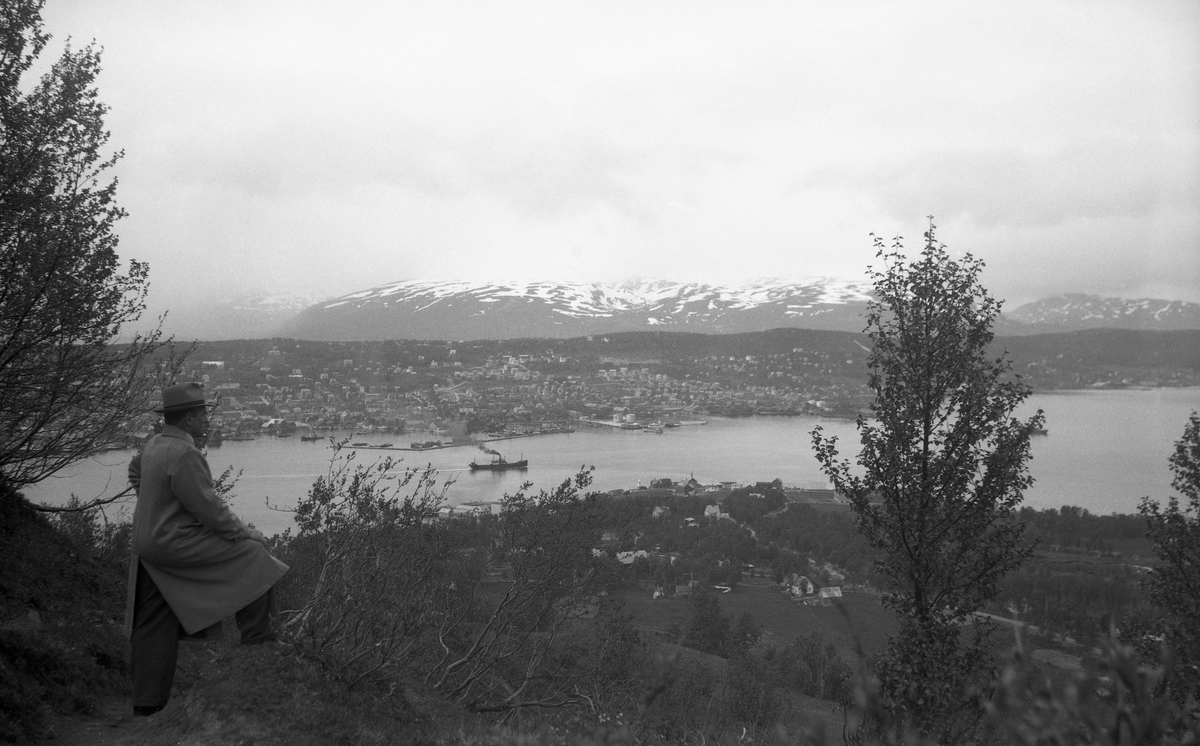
[(1087, 348), (1109, 347), (1114, 357), (1082, 359), (668, 345)]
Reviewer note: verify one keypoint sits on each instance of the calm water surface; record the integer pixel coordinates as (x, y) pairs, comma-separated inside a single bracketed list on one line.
[(1104, 451)]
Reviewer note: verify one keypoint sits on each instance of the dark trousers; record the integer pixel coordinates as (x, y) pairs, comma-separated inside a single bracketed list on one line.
[(156, 633)]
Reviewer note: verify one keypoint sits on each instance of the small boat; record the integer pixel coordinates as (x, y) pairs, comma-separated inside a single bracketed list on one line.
[(360, 444), (310, 438)]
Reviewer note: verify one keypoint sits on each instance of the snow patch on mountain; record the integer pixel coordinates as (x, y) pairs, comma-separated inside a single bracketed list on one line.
[(602, 300), (1073, 311), (431, 309)]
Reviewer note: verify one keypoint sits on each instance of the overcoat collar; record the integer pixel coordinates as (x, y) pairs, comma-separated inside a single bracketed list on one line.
[(170, 431)]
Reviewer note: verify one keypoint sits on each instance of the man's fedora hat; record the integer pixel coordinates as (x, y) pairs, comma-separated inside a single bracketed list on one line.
[(182, 397)]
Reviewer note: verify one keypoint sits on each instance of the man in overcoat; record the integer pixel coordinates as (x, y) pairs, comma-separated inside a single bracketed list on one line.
[(194, 562)]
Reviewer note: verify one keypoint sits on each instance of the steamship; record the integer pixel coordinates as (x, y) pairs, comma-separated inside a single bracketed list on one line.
[(499, 464)]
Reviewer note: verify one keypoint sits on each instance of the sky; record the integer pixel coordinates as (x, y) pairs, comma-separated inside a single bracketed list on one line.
[(323, 148)]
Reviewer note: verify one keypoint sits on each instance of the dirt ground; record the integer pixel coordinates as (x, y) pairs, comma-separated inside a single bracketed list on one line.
[(111, 725)]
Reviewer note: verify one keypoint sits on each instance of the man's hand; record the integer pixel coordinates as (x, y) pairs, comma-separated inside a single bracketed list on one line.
[(256, 535)]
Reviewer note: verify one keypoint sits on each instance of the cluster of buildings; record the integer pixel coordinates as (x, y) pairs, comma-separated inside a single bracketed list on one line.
[(437, 387), (800, 589)]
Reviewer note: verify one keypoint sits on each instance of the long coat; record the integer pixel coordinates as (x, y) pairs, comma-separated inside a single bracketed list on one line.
[(206, 563)]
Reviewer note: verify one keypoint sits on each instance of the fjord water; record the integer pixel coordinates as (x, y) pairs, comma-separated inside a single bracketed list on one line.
[(1104, 451)]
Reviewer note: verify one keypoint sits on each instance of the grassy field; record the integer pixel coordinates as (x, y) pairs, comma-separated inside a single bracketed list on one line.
[(854, 622)]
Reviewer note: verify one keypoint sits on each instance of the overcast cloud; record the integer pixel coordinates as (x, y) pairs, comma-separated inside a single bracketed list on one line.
[(322, 148)]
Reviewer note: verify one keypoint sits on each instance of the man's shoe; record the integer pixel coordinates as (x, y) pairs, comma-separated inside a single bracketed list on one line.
[(142, 711)]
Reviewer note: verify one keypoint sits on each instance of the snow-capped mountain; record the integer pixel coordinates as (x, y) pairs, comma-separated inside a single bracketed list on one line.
[(422, 309), (1076, 311), (419, 309)]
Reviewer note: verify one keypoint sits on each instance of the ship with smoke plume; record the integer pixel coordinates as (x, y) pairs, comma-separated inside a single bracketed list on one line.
[(497, 463)]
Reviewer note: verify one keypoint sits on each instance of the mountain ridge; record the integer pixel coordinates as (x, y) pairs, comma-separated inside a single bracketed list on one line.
[(432, 309), (421, 309), (1078, 311)]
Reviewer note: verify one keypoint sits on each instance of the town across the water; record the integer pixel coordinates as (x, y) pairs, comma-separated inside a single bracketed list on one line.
[(451, 392)]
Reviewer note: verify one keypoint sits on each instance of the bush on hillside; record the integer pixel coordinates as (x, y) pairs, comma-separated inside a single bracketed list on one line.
[(479, 607), (367, 574), (1121, 705), (103, 539), (498, 649)]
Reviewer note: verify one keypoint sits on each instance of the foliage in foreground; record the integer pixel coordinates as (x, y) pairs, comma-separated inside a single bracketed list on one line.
[(1119, 706), (65, 388), (941, 474), (495, 612), (61, 600), (1174, 583), (656, 693)]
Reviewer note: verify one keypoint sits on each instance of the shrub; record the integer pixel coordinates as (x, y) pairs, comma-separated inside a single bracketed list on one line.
[(479, 607), (366, 570), (1119, 706), (106, 541), (499, 641)]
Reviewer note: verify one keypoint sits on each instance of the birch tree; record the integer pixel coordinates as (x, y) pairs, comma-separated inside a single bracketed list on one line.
[(1174, 583), (939, 477), (65, 387)]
